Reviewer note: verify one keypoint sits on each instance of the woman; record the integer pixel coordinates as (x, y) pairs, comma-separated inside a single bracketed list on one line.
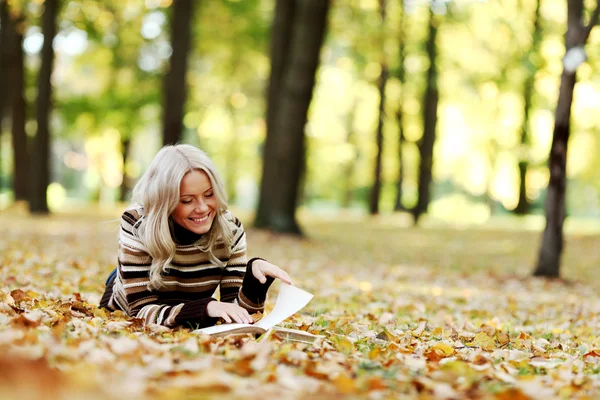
[(178, 242)]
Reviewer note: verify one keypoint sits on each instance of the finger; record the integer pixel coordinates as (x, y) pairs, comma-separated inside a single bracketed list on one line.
[(225, 317), (237, 317), (281, 274), (246, 316), (258, 274), (287, 279), (276, 272)]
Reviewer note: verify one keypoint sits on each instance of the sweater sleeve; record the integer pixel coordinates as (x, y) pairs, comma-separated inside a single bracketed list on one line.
[(130, 290), (238, 283)]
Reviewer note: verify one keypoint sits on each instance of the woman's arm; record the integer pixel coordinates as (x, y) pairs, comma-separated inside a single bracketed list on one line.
[(238, 282)]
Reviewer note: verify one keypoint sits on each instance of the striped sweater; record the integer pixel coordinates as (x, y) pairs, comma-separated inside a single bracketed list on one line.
[(191, 279)]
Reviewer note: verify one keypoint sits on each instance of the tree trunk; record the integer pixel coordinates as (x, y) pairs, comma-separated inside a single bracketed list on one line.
[(528, 91), (19, 117), (124, 188), (175, 87), (5, 28), (351, 165), (376, 190), (298, 83), (548, 264), (232, 154), (552, 242), (400, 115), (398, 206), (41, 149), (281, 38), (430, 102)]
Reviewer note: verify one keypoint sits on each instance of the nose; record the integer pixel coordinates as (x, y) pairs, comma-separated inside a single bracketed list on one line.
[(201, 206)]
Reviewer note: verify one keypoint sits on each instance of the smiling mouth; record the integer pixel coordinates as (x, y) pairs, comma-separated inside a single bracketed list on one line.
[(200, 220)]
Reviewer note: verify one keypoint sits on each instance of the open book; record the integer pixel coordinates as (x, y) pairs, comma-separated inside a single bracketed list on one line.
[(290, 300)]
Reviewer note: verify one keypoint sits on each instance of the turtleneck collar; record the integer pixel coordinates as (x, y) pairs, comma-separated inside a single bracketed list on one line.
[(183, 236)]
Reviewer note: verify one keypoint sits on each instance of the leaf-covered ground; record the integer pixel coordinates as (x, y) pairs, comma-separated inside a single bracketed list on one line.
[(411, 313)]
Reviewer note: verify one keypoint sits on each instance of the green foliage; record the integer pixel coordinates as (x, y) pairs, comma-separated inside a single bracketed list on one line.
[(108, 89)]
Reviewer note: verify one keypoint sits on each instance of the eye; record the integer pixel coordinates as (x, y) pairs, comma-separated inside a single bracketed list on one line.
[(210, 194), (186, 201)]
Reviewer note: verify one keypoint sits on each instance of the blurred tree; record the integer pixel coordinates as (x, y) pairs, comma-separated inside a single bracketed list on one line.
[(383, 77), (5, 28), (120, 61), (18, 115), (530, 61), (401, 76), (232, 151), (430, 106), (294, 95), (281, 38), (349, 168), (40, 171), (175, 82), (548, 264)]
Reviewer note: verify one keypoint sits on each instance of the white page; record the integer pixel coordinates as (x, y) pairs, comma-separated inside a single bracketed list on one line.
[(220, 328), (290, 300)]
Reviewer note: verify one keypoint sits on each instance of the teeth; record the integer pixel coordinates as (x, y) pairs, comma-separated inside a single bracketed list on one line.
[(200, 219)]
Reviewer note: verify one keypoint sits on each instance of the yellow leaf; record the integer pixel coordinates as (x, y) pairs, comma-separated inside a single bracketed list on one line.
[(445, 348), (484, 341), (344, 345), (100, 313), (419, 331), (374, 353), (33, 294), (344, 384)]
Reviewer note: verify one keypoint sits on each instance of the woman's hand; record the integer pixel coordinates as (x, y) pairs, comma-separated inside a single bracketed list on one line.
[(261, 269), (229, 312)]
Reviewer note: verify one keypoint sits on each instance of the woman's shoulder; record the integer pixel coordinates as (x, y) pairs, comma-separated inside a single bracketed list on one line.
[(232, 219), (132, 214)]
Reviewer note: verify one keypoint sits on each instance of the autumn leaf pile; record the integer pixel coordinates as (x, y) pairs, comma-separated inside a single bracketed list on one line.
[(404, 312)]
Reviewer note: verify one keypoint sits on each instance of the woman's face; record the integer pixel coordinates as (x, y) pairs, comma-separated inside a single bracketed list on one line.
[(197, 203)]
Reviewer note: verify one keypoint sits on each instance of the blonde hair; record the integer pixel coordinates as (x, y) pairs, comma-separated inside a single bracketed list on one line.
[(158, 192)]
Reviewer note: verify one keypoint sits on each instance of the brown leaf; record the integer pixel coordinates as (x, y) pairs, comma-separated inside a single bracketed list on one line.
[(241, 367), (439, 351), (593, 353), (387, 336), (434, 355), (18, 295), (490, 330), (512, 394), (26, 320), (78, 306), (311, 369), (375, 383), (32, 379), (502, 338)]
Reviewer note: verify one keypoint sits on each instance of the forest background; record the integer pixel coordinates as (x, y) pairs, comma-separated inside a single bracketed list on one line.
[(415, 150), (111, 58)]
